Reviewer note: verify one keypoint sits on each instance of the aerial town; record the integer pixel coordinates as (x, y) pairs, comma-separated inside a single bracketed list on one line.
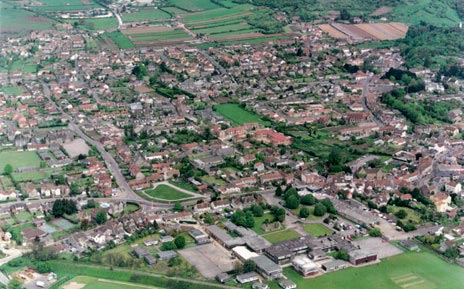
[(198, 144)]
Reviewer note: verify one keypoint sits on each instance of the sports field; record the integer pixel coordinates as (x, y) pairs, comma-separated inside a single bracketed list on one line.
[(406, 271), (19, 159), (166, 193), (145, 14), (237, 115), (279, 236), (84, 282), (193, 6), (317, 230)]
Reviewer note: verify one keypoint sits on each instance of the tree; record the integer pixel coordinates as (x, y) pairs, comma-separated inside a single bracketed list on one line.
[(319, 210), (64, 206), (345, 15), (308, 200), (342, 255), (278, 191), (180, 242), (15, 284), (168, 246), (7, 170), (401, 214), (101, 217), (304, 212), (451, 252), (249, 266), (257, 211), (139, 71), (375, 232), (174, 262), (178, 207), (249, 220), (43, 267), (74, 189), (209, 219), (292, 202), (329, 205)]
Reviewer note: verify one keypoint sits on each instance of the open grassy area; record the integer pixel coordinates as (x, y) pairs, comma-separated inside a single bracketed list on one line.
[(412, 216), (279, 236), (145, 14), (317, 230), (33, 176), (159, 36), (64, 5), (409, 270), (259, 222), (121, 40), (96, 24), (13, 90), (94, 283), (440, 13), (193, 6), (19, 159), (166, 193), (215, 15), (15, 20), (238, 115)]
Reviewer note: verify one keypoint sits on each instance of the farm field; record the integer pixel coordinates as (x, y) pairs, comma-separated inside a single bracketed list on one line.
[(94, 283), (219, 15), (21, 21), (96, 24), (121, 40), (166, 193), (14, 90), (155, 34), (65, 5), (19, 159), (438, 13), (145, 14), (365, 32), (409, 270), (193, 6), (279, 236), (317, 230), (238, 115)]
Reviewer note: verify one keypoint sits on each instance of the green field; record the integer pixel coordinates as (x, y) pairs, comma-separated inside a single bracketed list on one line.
[(219, 15), (19, 159), (14, 20), (65, 5), (14, 90), (259, 222), (279, 236), (193, 6), (238, 115), (159, 36), (317, 230), (145, 14), (96, 24), (441, 13), (227, 29), (94, 283), (121, 40), (406, 271), (166, 193)]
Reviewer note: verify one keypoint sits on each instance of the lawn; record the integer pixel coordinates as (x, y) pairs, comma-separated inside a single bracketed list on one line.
[(20, 21), (24, 217), (183, 185), (146, 14), (19, 159), (279, 236), (121, 40), (317, 230), (33, 176), (99, 23), (166, 193), (130, 208), (193, 6), (260, 220), (440, 13), (64, 5), (412, 216), (94, 283), (238, 115), (159, 36), (14, 90), (412, 270), (220, 14)]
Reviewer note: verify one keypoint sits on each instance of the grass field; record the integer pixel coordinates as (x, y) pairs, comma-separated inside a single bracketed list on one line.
[(13, 90), (145, 14), (412, 216), (238, 115), (94, 283), (96, 24), (279, 236), (19, 159), (21, 21), (193, 6), (406, 271), (317, 230), (159, 36), (166, 193), (259, 222), (441, 13), (33, 176), (121, 40), (64, 5), (219, 14)]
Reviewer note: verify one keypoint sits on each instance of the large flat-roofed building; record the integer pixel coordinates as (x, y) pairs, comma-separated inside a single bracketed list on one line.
[(334, 265), (267, 268), (283, 252), (223, 238), (305, 266), (247, 277), (243, 253), (359, 257), (199, 236)]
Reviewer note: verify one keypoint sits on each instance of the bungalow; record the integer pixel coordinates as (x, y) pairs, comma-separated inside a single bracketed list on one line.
[(247, 277), (220, 205)]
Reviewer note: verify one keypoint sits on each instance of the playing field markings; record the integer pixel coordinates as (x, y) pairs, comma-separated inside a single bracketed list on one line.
[(401, 277), (413, 284), (406, 279)]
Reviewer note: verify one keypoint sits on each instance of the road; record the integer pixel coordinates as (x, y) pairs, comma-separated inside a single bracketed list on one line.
[(364, 94), (116, 14)]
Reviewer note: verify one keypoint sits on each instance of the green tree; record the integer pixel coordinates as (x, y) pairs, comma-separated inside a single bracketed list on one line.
[(375, 232), (139, 71), (342, 255), (8, 170), (180, 242), (43, 267), (451, 252), (304, 212), (249, 266), (74, 189), (401, 214), (278, 191), (249, 220), (329, 205), (168, 246), (209, 219), (292, 202), (257, 211), (308, 200), (319, 210), (15, 284), (101, 217), (178, 207)]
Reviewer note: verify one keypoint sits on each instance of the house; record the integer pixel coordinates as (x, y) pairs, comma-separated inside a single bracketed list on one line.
[(199, 236), (259, 286), (150, 242), (140, 252), (149, 259), (166, 255), (287, 284), (441, 201), (220, 205), (247, 277)]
